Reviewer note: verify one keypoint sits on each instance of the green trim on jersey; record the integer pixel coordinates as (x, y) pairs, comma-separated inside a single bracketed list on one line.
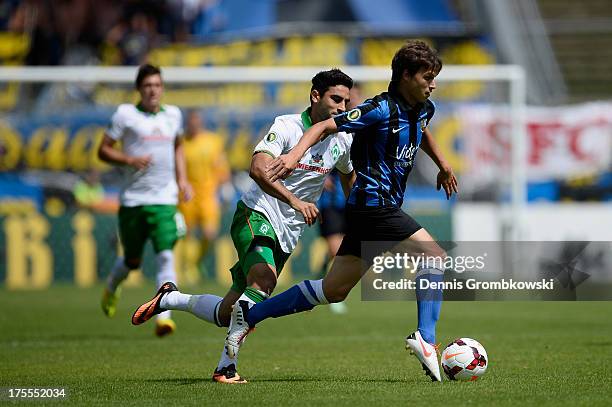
[(256, 242), (140, 109), (264, 151), (306, 119)]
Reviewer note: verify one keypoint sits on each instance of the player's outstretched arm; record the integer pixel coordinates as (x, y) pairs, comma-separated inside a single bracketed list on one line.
[(283, 165), (276, 189), (446, 178), (109, 154)]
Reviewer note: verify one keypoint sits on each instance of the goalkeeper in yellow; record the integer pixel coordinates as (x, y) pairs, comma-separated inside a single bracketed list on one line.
[(207, 169)]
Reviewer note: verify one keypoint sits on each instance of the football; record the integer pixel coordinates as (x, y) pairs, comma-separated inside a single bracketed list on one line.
[(464, 359)]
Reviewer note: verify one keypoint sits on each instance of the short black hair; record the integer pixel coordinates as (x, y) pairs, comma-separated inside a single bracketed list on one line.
[(413, 56), (144, 71), (326, 79)]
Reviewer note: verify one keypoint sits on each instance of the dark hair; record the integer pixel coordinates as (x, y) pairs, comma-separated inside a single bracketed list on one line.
[(414, 56), (144, 71), (326, 79)]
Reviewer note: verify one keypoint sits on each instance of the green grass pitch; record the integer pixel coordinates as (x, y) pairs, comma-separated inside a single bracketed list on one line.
[(541, 353)]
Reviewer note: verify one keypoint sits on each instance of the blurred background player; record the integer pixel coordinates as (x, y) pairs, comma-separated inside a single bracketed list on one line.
[(331, 205), (152, 157), (207, 169)]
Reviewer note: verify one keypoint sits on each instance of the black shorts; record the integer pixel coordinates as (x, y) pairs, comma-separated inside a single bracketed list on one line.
[(333, 221), (386, 226)]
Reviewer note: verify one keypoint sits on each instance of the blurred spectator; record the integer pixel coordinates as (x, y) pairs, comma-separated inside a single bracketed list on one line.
[(133, 37)]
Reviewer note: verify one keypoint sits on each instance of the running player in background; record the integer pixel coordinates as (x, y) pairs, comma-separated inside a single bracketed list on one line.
[(271, 216), (154, 174), (207, 169), (388, 131)]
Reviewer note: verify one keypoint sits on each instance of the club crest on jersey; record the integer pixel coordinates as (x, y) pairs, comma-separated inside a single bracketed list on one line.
[(423, 124), (354, 114), (270, 137), (316, 159), (335, 152)]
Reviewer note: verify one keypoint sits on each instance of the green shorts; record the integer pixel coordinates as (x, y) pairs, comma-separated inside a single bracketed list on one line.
[(160, 223), (256, 242)]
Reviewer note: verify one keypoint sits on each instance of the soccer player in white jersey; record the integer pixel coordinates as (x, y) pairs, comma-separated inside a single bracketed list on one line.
[(154, 174), (271, 216)]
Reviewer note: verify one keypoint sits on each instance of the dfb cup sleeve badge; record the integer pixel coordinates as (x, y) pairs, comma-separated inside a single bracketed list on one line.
[(354, 114)]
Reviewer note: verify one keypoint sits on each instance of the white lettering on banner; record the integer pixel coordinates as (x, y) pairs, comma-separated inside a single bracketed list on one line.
[(562, 142)]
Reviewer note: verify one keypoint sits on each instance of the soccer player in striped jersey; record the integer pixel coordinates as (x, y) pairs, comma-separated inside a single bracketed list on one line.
[(388, 130), (271, 216)]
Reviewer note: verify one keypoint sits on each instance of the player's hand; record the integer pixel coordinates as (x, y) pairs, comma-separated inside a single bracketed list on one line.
[(185, 191), (447, 181), (140, 162), (281, 167), (308, 210)]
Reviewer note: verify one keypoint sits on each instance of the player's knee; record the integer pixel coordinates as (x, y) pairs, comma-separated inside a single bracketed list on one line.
[(263, 277), (132, 263)]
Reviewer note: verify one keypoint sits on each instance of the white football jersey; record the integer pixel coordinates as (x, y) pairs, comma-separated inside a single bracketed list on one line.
[(305, 182), (142, 133)]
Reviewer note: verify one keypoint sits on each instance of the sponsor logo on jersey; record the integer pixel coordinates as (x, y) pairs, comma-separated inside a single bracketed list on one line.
[(316, 159), (320, 170), (405, 155), (354, 114), (270, 137), (264, 229)]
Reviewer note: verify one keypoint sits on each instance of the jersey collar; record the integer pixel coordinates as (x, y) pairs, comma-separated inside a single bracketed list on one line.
[(306, 121), (140, 109)]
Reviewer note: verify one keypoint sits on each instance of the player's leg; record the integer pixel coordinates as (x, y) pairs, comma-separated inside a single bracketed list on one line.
[(429, 300), (208, 307), (429, 296), (132, 235), (188, 249), (346, 271), (165, 226), (259, 260), (332, 229), (211, 220), (260, 273)]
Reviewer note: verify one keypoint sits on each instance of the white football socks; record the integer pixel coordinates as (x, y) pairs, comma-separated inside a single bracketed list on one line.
[(165, 272), (205, 306), (118, 273)]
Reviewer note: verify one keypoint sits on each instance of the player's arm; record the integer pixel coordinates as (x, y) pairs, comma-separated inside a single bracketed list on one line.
[(108, 153), (185, 190), (277, 189), (283, 165), (446, 178), (347, 180)]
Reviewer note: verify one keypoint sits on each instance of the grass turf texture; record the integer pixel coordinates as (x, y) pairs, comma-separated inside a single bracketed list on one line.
[(541, 353)]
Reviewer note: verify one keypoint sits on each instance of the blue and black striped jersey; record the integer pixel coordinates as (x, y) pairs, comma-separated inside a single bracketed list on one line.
[(387, 134)]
